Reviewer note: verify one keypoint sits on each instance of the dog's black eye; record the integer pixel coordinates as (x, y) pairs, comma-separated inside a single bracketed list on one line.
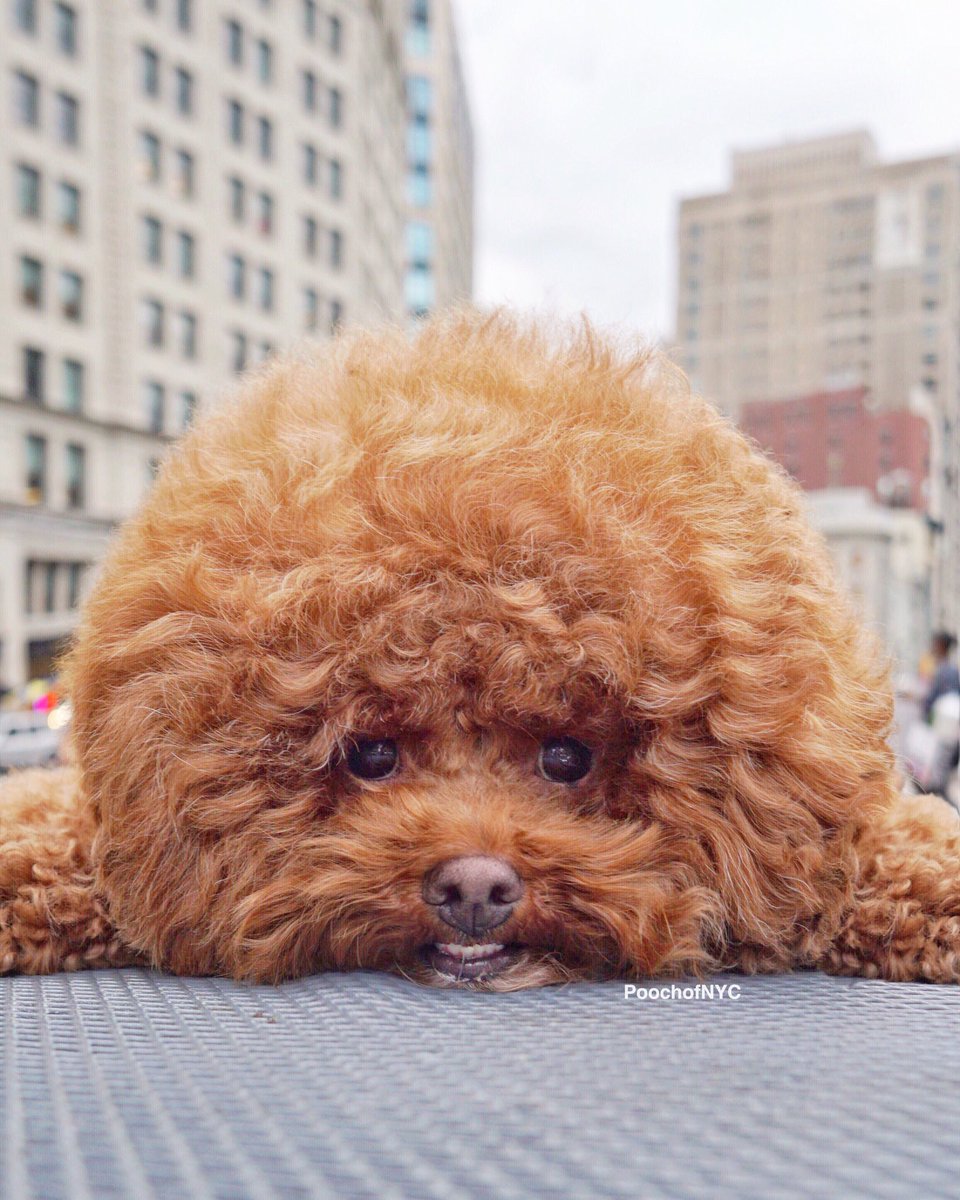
[(373, 758), (564, 760)]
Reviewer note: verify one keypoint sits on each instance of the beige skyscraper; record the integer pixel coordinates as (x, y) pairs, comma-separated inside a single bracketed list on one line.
[(186, 187), (822, 268)]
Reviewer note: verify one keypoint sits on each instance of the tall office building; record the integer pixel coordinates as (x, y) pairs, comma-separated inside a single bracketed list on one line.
[(439, 261), (823, 268), (186, 187)]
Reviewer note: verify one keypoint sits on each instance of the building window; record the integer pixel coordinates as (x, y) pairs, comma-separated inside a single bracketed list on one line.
[(65, 29), (188, 335), (309, 90), (419, 143), (236, 276), (336, 249), (264, 61), (71, 295), (265, 289), (418, 30), (310, 15), (335, 107), (419, 96), (154, 402), (336, 178), (186, 255), (26, 99), (68, 207), (418, 185), (419, 242), (311, 309), (36, 475), (150, 157), (33, 371), (149, 71), (76, 475), (183, 89), (419, 289), (28, 191), (152, 322), (238, 351), (265, 137), (25, 15), (311, 232), (265, 213), (335, 35), (49, 587), (73, 385), (235, 122), (238, 198), (336, 315), (74, 584), (310, 161), (184, 15), (184, 180), (152, 240), (188, 409), (233, 32), (31, 282)]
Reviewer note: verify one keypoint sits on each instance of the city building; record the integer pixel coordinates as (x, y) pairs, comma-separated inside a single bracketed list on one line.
[(823, 268), (186, 187), (882, 556), (439, 257), (838, 440)]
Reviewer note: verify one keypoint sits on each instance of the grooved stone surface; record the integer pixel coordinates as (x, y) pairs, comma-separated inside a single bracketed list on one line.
[(131, 1084)]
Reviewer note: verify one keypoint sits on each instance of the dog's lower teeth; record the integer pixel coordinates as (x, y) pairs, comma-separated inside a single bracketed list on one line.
[(469, 953)]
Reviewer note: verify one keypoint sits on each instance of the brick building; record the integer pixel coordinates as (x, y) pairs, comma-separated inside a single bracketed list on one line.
[(838, 439)]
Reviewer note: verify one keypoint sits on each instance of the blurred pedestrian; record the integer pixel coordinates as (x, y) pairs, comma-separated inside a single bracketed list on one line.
[(946, 676)]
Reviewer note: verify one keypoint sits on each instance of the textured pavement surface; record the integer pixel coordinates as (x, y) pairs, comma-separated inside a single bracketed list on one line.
[(131, 1084)]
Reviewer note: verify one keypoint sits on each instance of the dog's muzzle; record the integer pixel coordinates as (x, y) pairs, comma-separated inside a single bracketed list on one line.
[(473, 894)]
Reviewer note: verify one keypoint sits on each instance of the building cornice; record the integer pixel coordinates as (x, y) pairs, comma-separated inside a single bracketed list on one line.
[(83, 420), (40, 519)]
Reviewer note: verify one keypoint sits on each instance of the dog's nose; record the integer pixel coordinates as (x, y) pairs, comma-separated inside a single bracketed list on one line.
[(474, 893)]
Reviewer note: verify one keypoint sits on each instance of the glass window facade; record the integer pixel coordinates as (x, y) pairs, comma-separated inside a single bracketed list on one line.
[(34, 362), (73, 385), (31, 282), (65, 29), (68, 207), (76, 473), (154, 403), (26, 99), (152, 240), (28, 191), (36, 468), (71, 295), (186, 255)]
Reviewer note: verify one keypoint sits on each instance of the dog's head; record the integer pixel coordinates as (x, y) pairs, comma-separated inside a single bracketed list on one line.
[(491, 657)]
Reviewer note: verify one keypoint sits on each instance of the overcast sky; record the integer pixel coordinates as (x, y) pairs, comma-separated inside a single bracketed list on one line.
[(592, 118)]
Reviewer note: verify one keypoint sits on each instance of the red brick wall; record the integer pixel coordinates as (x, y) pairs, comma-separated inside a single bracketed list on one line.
[(832, 439)]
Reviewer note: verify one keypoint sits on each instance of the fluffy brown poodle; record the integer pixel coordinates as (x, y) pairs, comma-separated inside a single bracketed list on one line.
[(490, 657)]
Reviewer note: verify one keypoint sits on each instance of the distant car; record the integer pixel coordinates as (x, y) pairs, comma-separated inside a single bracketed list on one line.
[(28, 739)]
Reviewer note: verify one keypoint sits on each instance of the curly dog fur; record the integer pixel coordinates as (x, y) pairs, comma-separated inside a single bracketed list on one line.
[(469, 541)]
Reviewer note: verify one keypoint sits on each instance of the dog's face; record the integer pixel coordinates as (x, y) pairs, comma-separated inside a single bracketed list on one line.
[(484, 665)]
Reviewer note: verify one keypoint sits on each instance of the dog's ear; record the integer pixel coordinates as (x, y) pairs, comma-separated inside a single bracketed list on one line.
[(904, 922), (51, 918)]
